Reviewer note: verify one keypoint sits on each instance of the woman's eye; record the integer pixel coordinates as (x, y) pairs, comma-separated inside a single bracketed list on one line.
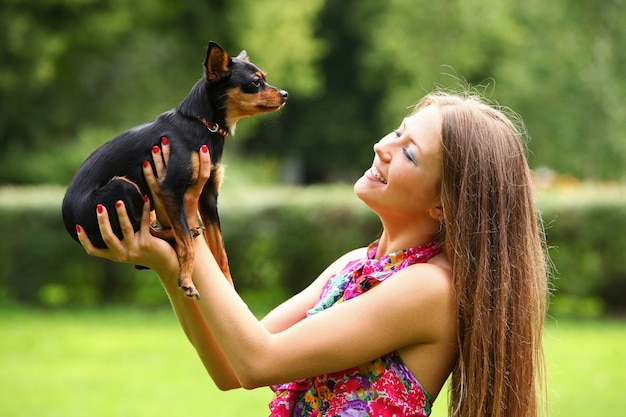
[(409, 155)]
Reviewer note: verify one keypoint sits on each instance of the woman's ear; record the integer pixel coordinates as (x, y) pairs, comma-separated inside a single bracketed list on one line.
[(436, 213)]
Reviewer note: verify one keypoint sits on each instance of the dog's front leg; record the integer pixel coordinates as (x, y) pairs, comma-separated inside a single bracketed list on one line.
[(211, 220), (175, 209)]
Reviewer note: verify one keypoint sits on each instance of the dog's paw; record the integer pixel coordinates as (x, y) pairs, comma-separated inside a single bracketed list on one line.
[(190, 290)]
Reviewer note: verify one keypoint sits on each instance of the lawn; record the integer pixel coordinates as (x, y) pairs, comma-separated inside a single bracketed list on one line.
[(138, 363)]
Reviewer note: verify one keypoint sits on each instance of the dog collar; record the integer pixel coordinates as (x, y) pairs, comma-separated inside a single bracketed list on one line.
[(213, 127)]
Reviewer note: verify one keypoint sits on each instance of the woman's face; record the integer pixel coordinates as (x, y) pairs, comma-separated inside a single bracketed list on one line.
[(405, 177)]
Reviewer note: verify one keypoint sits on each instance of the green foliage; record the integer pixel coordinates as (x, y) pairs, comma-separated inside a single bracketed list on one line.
[(279, 239), (588, 245), (78, 68), (292, 59)]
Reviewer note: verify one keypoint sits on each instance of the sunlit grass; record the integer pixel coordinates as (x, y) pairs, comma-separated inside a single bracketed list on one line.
[(121, 363), (138, 363)]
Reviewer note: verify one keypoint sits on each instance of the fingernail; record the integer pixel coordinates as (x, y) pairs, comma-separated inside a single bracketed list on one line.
[(145, 164), (145, 198), (155, 149), (100, 208), (164, 140), (204, 149), (78, 228), (118, 204)]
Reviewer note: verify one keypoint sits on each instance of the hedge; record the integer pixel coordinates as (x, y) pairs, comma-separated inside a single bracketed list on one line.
[(279, 239)]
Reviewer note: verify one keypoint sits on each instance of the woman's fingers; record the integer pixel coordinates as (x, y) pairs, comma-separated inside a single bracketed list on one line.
[(125, 224), (153, 184), (148, 174), (165, 148), (110, 239), (159, 164), (88, 246), (205, 164), (195, 189), (108, 236), (145, 216), (161, 156), (204, 173)]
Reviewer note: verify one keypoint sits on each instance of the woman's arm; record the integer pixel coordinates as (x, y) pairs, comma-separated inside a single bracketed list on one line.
[(386, 318), (237, 349), (145, 249), (285, 347)]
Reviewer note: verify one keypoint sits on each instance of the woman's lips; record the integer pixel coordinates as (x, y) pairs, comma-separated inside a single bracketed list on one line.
[(377, 175)]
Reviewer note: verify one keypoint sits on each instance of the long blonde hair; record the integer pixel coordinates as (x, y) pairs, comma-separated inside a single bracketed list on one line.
[(495, 244)]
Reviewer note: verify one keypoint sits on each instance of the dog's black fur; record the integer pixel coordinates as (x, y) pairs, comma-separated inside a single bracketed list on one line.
[(231, 88)]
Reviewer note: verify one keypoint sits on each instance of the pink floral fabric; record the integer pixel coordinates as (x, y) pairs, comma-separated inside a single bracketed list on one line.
[(383, 387)]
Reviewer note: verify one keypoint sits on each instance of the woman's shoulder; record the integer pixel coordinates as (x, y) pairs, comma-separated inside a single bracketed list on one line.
[(429, 282)]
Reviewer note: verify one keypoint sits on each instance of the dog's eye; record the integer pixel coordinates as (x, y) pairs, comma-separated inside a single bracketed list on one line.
[(256, 83)]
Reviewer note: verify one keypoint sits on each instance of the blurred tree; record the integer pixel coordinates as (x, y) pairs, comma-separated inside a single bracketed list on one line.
[(565, 76), (328, 136), (557, 65), (75, 72), (68, 64)]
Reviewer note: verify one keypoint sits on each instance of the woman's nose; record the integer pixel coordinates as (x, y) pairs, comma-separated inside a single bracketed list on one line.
[(381, 149)]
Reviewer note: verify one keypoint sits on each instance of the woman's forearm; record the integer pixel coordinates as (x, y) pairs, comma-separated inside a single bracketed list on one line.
[(196, 330), (241, 337)]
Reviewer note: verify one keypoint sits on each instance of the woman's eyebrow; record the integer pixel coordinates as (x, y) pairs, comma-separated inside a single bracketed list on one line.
[(403, 129), (419, 148)]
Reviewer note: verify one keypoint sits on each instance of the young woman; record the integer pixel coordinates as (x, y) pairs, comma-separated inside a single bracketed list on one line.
[(455, 284)]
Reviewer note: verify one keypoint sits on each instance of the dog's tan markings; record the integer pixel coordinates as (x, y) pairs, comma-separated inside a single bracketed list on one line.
[(212, 233), (218, 174), (195, 166), (186, 253), (240, 104), (120, 178), (216, 245)]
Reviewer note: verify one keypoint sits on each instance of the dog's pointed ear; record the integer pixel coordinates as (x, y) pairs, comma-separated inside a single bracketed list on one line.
[(243, 55), (217, 64)]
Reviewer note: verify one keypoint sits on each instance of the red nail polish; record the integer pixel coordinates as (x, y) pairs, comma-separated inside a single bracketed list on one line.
[(155, 149), (164, 141), (145, 164), (204, 149), (118, 204), (145, 198), (78, 228), (100, 208)]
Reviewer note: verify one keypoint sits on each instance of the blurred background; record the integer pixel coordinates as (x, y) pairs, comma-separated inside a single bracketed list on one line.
[(75, 73)]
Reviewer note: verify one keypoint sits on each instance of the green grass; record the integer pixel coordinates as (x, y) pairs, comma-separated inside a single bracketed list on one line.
[(138, 363), (114, 363)]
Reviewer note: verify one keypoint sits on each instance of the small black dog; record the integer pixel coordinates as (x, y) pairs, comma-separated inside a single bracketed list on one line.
[(230, 89)]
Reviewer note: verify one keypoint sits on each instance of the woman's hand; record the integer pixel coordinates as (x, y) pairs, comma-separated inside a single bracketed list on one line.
[(195, 189), (140, 248), (160, 156)]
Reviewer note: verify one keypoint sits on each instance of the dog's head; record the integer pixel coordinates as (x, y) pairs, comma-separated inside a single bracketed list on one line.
[(245, 87)]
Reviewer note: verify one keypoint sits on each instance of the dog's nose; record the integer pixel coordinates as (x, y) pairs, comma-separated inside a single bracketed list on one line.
[(284, 95)]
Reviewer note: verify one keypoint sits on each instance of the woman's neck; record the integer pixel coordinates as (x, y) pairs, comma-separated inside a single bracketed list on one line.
[(404, 237)]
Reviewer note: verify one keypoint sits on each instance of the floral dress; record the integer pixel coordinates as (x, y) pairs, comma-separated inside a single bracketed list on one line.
[(383, 387)]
